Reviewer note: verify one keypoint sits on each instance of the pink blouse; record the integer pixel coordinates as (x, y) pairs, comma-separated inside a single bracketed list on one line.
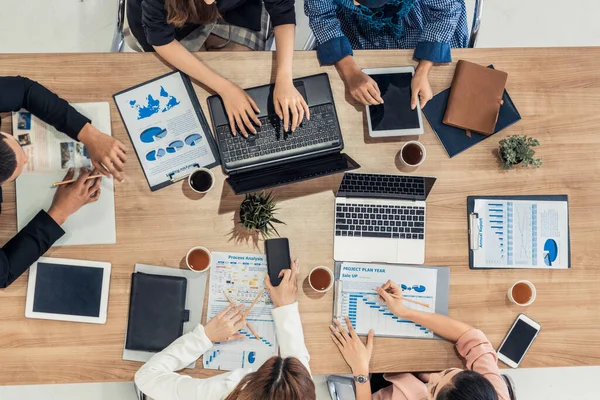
[(479, 355)]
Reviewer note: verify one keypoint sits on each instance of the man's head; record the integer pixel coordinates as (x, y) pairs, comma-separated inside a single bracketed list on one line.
[(12, 158)]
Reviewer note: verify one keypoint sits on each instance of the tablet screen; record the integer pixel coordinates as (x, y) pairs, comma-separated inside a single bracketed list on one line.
[(68, 290), (395, 112)]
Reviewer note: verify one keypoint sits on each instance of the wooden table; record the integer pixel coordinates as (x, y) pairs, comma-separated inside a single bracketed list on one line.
[(557, 92)]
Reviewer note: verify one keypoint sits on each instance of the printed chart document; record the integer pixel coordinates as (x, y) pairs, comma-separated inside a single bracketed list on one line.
[(167, 128), (520, 234), (50, 154), (357, 298), (242, 277)]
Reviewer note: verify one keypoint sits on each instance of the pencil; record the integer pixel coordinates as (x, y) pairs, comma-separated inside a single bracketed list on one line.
[(247, 323), (253, 303), (408, 300), (75, 180)]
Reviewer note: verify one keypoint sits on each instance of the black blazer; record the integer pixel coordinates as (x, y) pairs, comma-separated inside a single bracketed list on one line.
[(148, 18), (40, 234)]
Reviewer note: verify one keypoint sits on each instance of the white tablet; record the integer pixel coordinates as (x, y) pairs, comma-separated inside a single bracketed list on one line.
[(68, 290), (394, 117)]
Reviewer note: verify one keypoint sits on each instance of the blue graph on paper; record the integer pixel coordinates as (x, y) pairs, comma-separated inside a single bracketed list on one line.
[(163, 103)]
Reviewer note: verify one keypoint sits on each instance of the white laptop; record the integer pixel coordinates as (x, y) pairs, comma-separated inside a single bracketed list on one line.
[(381, 218)]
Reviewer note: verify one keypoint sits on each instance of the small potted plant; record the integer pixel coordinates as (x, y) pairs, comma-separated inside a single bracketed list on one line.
[(516, 150), (257, 214)]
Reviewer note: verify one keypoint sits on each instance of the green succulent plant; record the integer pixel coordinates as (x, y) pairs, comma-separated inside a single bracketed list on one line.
[(257, 213), (519, 149)]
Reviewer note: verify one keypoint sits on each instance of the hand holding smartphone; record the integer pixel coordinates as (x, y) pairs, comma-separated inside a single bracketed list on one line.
[(278, 258)]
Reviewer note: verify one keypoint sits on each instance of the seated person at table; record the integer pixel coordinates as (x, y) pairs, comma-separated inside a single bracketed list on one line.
[(162, 26), (431, 27), (286, 377), (107, 154), (480, 381)]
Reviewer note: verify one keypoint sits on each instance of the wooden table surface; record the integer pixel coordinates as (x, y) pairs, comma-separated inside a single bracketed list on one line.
[(557, 92)]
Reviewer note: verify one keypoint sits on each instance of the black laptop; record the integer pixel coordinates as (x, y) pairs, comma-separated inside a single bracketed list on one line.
[(273, 157)]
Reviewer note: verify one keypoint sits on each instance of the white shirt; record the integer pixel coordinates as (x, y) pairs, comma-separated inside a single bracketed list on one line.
[(158, 379)]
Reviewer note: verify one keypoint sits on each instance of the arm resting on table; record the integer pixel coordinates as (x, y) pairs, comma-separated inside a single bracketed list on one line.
[(290, 334)]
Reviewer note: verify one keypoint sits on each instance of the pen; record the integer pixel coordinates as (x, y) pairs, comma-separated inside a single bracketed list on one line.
[(75, 180)]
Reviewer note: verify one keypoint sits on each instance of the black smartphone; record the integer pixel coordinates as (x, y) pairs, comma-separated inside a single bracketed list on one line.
[(278, 258)]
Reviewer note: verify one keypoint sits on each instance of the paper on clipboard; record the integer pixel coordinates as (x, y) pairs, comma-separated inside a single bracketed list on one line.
[(167, 128), (520, 234)]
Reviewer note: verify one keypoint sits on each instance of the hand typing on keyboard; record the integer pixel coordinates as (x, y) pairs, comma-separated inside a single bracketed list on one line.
[(288, 101), (241, 109)]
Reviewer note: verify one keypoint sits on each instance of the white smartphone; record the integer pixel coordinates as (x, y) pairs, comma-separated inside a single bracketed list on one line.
[(518, 341), (394, 117)]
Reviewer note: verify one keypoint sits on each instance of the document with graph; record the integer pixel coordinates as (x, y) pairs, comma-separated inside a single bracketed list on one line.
[(511, 233), (356, 297), (242, 277)]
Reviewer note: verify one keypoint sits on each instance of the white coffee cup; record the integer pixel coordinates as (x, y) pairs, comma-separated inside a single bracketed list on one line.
[(212, 177), (189, 265), (330, 279), (533, 293), (411, 143)]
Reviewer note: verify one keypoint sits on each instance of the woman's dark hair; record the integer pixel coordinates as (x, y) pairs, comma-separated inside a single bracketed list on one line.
[(8, 160), (278, 378), (181, 12), (468, 385)]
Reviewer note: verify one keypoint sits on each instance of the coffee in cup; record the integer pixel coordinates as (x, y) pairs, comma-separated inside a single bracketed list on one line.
[(320, 279), (201, 180), (522, 293), (412, 154), (198, 259)]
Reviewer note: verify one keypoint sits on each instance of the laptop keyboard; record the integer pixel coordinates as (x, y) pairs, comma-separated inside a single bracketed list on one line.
[(380, 183), (380, 221), (271, 142)]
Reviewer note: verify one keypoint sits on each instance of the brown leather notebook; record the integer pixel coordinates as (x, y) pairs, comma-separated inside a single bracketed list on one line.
[(475, 98)]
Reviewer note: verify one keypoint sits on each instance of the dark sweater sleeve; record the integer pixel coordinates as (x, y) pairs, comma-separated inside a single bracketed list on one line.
[(154, 20), (17, 92), (282, 12), (27, 246)]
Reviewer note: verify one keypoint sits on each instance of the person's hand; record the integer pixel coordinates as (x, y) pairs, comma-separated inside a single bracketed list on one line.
[(356, 354), (363, 88), (241, 109), (225, 325), (288, 101), (396, 305), (421, 89), (108, 155), (69, 198), (284, 294)]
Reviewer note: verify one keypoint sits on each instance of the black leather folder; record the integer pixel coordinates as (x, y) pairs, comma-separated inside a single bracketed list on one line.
[(156, 311)]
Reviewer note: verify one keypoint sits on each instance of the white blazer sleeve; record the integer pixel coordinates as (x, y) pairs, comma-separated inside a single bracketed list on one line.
[(158, 379), (290, 334)]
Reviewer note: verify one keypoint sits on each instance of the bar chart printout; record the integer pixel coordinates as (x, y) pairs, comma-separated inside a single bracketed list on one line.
[(356, 298), (521, 234), (242, 277)]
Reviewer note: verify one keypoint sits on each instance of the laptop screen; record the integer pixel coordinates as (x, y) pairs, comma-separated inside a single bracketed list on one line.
[(384, 186)]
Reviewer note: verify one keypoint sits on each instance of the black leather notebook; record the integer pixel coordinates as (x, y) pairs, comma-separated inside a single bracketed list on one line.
[(156, 311)]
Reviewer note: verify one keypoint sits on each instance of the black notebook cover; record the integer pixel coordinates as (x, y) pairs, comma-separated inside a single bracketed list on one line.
[(455, 140), (156, 311)]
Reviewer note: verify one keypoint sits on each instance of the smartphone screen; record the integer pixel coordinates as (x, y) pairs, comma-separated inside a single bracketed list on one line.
[(518, 340), (278, 258)]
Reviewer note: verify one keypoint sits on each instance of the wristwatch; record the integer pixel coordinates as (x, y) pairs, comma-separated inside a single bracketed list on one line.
[(362, 378)]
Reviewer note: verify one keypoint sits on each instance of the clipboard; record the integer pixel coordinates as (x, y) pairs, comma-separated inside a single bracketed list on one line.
[(471, 216), (183, 171), (442, 291)]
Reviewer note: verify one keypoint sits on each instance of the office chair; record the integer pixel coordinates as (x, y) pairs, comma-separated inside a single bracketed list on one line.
[(311, 41)]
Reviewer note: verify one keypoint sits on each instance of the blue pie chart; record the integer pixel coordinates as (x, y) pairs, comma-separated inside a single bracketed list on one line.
[(152, 134), (155, 154), (193, 139), (252, 357), (551, 252), (175, 146)]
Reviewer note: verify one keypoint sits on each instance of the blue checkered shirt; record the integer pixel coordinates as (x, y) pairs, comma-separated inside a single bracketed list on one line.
[(431, 27)]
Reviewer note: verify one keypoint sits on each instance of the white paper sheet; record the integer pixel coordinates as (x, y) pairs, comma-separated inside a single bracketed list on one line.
[(521, 234), (356, 298), (164, 128), (242, 276), (94, 223)]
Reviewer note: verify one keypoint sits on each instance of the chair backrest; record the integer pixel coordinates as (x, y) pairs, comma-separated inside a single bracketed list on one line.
[(511, 387)]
